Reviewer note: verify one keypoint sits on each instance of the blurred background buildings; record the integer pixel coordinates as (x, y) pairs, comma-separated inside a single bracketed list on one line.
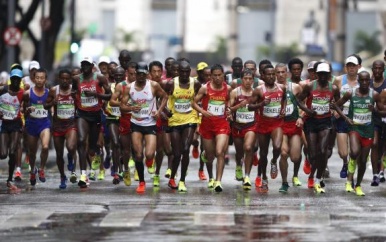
[(211, 30)]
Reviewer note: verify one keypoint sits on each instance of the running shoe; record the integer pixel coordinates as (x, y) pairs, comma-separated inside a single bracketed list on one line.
[(91, 176), (326, 173), (203, 157), (127, 178), (70, 165), (17, 176), (182, 187), (247, 183), (296, 181), (381, 177), (307, 167), (195, 152), (136, 176), (151, 169), (255, 161), (358, 191), (310, 183), (101, 175), (264, 186), (107, 162), (11, 186), (258, 182), (349, 187), (168, 173), (42, 177), (211, 183), (63, 182), (96, 162), (375, 181), (141, 187), (273, 170), (352, 165), (284, 187), (73, 177), (156, 180), (217, 186), (83, 183), (26, 159), (131, 164), (239, 173), (318, 189), (172, 184), (343, 172), (201, 175), (116, 180), (322, 184)]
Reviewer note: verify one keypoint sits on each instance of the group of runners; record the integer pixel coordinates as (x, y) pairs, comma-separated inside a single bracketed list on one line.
[(127, 115)]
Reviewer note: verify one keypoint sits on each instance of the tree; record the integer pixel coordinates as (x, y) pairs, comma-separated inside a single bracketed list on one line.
[(51, 26), (367, 42)]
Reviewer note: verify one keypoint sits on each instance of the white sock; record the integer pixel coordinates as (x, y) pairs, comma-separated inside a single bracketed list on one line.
[(18, 169), (83, 172)]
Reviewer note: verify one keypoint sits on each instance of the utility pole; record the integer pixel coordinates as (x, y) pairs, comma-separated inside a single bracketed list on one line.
[(72, 31), (232, 39), (181, 25), (11, 23), (42, 39)]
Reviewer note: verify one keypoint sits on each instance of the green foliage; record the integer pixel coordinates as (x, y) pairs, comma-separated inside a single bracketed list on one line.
[(369, 42), (282, 53)]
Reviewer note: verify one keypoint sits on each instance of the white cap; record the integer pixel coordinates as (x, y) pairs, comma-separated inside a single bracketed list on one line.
[(88, 59), (104, 59), (34, 64), (352, 59), (323, 67)]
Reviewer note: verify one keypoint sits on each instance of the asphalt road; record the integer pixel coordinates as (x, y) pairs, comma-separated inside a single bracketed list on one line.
[(107, 212)]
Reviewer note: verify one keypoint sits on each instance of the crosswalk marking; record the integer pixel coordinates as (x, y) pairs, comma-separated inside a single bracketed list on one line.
[(31, 219), (214, 218), (123, 219)]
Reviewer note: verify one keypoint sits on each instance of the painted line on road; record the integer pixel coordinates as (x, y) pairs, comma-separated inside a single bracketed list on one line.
[(214, 218), (123, 219), (31, 219)]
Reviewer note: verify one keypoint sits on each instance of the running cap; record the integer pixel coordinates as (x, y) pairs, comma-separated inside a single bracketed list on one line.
[(142, 68), (34, 64), (201, 66), (16, 72), (323, 67), (352, 59), (16, 66), (104, 59), (88, 59), (311, 65)]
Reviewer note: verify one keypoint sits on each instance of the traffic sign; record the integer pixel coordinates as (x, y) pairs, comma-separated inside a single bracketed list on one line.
[(12, 36)]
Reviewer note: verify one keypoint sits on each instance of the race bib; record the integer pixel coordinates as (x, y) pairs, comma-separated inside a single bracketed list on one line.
[(346, 107), (143, 113), (9, 112), (243, 115), (321, 107), (362, 118), (115, 111), (65, 111), (271, 111), (289, 109), (217, 108), (39, 111), (182, 106), (88, 102)]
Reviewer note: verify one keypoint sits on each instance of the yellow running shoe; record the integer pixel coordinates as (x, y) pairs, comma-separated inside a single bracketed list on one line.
[(96, 162), (127, 178), (318, 189), (211, 183), (296, 181), (182, 187), (247, 183), (349, 187), (352, 165), (131, 164), (239, 173), (217, 186), (136, 177), (156, 180), (168, 173), (101, 175), (151, 169), (358, 191)]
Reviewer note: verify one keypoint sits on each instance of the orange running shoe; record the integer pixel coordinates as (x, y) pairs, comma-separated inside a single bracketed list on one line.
[(201, 175), (195, 152), (17, 176), (310, 182), (307, 167), (258, 181), (255, 159), (141, 187)]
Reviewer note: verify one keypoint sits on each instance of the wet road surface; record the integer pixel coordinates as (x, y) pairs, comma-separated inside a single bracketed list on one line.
[(107, 212)]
